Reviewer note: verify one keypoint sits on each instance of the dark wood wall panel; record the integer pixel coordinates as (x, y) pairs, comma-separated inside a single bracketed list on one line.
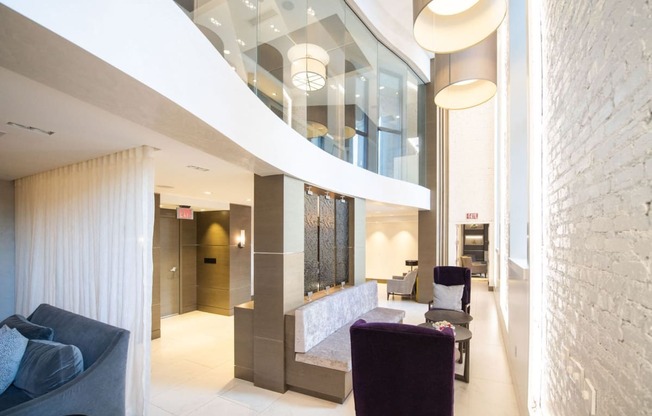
[(213, 261)]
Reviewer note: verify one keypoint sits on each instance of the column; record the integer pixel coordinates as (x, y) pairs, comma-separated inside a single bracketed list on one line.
[(433, 224), (278, 272), (357, 240)]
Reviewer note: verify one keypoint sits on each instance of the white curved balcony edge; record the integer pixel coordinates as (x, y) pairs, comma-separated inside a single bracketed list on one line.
[(150, 42)]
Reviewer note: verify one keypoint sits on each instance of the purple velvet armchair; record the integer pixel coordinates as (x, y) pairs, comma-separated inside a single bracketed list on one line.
[(402, 370), (451, 276)]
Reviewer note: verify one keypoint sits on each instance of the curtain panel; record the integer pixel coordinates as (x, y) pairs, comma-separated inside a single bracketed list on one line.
[(84, 244)]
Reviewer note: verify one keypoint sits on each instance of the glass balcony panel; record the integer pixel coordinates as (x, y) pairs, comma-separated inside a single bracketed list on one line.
[(318, 67)]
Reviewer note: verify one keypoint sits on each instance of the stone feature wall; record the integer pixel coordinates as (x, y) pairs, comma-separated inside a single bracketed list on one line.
[(597, 150)]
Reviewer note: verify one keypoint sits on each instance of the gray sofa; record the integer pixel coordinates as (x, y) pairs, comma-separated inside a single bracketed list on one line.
[(99, 390)]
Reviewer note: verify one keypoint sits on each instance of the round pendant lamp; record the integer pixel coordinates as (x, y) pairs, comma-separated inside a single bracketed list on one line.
[(446, 26), (467, 78), (308, 66)]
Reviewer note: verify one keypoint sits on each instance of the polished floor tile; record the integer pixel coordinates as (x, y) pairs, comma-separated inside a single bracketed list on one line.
[(192, 368)]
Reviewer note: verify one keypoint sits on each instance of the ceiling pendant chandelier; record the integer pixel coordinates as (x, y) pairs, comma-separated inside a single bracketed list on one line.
[(308, 66), (446, 26), (466, 78)]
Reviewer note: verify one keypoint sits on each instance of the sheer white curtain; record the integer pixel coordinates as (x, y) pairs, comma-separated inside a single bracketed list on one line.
[(84, 244)]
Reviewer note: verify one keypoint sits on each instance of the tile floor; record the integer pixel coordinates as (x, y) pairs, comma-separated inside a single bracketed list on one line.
[(192, 369)]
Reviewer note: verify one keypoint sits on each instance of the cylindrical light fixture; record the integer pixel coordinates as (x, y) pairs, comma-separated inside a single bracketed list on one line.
[(467, 78), (445, 26), (308, 66)]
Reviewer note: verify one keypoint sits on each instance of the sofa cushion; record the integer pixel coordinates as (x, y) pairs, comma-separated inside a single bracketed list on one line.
[(447, 297), (46, 366), (13, 396), (29, 329), (12, 349)]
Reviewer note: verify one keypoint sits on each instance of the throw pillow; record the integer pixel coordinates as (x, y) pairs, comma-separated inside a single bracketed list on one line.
[(29, 329), (447, 297), (46, 366), (12, 348)]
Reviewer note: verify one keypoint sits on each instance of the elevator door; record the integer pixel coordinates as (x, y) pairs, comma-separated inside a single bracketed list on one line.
[(169, 265)]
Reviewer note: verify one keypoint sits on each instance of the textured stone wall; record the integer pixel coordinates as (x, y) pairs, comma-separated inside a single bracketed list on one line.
[(597, 122)]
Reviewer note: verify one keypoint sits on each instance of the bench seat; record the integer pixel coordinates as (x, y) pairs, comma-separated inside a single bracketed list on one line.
[(317, 341), (335, 350)]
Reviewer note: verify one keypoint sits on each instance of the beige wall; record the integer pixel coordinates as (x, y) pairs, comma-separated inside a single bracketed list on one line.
[(390, 241)]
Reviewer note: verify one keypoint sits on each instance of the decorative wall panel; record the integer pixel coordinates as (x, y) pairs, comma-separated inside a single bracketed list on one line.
[(341, 242), (326, 242), (311, 243)]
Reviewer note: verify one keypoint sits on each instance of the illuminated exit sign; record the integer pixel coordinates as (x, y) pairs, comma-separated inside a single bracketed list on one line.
[(471, 215), (184, 213)]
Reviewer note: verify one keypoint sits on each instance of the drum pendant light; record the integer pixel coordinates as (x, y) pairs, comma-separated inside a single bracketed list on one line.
[(467, 78), (446, 26), (308, 66)]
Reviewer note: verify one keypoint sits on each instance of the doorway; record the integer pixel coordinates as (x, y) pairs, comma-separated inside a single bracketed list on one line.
[(472, 248), (170, 281)]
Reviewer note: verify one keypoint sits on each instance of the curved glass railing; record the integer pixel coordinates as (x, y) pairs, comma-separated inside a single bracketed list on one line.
[(318, 67)]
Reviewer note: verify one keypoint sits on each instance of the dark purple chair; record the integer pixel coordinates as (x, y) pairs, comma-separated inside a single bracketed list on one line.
[(402, 369), (453, 276)]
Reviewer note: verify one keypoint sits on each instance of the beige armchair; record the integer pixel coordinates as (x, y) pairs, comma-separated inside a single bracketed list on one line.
[(403, 286), (475, 266)]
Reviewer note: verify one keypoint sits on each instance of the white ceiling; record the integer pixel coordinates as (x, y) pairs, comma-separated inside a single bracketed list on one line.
[(82, 132)]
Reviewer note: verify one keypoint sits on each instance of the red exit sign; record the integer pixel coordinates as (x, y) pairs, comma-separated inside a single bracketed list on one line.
[(184, 213), (471, 215)]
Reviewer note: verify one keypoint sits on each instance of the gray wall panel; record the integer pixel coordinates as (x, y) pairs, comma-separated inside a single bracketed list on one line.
[(7, 250)]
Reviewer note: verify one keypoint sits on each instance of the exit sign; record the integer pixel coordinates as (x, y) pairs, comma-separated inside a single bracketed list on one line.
[(471, 215), (184, 213)]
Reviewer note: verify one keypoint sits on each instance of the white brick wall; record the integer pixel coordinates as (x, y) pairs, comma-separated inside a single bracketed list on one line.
[(597, 123)]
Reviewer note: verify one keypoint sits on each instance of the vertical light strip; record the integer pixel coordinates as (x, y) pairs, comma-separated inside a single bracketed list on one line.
[(536, 204), (503, 163)]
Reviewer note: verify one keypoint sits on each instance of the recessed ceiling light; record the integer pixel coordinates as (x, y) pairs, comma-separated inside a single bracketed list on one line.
[(357, 96), (30, 128), (382, 87), (208, 193), (227, 52)]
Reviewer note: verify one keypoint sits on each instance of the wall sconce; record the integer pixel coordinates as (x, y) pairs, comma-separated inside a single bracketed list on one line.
[(466, 78), (308, 66), (241, 239), (445, 26)]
